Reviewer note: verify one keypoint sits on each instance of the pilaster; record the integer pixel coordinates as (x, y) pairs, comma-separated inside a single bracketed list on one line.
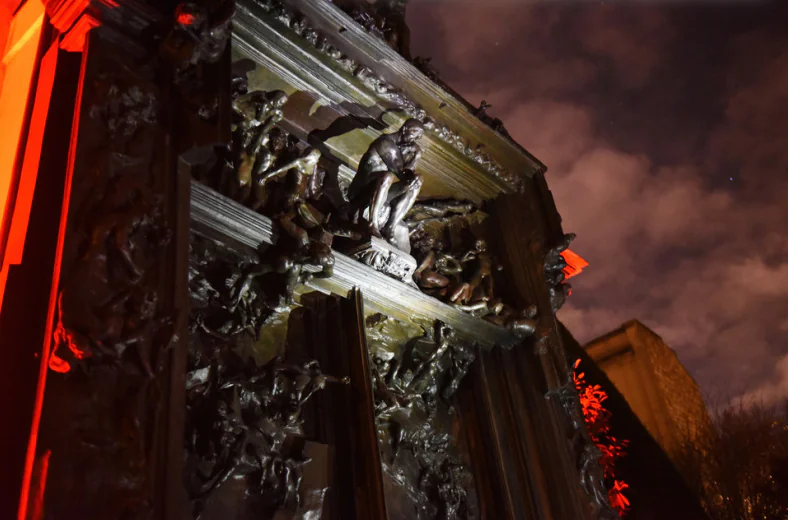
[(112, 383)]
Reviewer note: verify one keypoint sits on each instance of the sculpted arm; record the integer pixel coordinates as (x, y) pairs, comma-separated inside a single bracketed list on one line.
[(391, 155), (468, 257), (411, 164), (262, 181), (427, 263)]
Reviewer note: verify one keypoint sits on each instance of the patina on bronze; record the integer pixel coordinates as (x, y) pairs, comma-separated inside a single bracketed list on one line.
[(554, 264), (386, 184), (256, 115), (414, 382), (241, 417)]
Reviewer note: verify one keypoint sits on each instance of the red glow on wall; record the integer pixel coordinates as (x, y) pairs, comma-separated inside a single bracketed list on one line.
[(16, 187), (63, 336), (185, 18), (58, 364), (46, 362), (574, 264), (40, 484), (74, 40), (597, 419)]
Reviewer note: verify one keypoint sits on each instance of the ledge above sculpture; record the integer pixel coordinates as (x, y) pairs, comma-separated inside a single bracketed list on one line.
[(370, 51), (386, 20), (462, 154), (221, 219)]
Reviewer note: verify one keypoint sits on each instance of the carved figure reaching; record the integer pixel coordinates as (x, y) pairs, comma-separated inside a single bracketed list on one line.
[(481, 285), (385, 19), (317, 254), (462, 357), (437, 272), (308, 379), (256, 115), (305, 176), (494, 123), (426, 378), (258, 109)]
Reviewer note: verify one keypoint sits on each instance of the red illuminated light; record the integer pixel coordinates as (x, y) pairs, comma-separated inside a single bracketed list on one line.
[(16, 191), (597, 419), (185, 19), (53, 297), (574, 264)]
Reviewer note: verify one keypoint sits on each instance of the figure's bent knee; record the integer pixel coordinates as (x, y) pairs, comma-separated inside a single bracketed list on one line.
[(388, 178)]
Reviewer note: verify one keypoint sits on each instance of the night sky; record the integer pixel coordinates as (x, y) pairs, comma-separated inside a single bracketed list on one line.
[(664, 127)]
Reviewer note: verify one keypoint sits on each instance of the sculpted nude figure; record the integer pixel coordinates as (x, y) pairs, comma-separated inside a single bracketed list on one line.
[(386, 179), (482, 277)]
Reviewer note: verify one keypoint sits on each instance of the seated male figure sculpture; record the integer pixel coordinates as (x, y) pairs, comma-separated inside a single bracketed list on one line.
[(390, 158)]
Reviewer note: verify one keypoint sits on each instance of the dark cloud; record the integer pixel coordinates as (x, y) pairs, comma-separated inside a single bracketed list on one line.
[(643, 115)]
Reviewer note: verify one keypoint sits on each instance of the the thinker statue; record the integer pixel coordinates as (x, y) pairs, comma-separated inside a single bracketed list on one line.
[(386, 182)]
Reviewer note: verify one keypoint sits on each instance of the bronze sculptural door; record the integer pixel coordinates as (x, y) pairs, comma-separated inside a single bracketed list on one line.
[(279, 410), (208, 188)]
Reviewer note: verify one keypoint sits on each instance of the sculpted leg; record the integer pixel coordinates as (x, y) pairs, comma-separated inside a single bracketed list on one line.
[(402, 204), (379, 198)]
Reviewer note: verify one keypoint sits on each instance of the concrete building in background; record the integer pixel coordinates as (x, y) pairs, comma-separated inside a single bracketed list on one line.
[(655, 384)]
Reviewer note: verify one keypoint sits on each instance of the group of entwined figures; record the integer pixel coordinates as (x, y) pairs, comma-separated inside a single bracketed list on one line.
[(411, 390), (241, 418)]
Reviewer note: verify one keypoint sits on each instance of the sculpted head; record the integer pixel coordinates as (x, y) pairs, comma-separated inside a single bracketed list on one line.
[(443, 331), (278, 99), (412, 130)]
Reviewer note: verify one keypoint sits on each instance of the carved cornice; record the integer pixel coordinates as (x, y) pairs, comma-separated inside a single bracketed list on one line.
[(307, 20), (75, 18), (439, 102), (63, 14), (74, 39)]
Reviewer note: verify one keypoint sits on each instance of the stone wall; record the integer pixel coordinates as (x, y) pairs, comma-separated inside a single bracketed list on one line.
[(682, 396), (655, 384)]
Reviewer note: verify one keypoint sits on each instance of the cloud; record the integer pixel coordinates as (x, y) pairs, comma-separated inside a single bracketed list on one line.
[(774, 391), (671, 241), (544, 49)]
